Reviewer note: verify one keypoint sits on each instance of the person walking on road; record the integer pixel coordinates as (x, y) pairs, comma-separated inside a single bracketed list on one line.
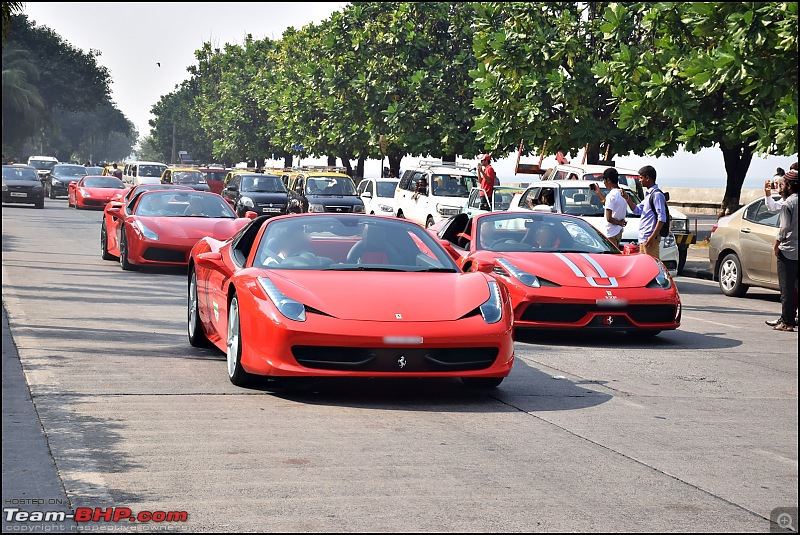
[(654, 214), (785, 249), (616, 206), (486, 175)]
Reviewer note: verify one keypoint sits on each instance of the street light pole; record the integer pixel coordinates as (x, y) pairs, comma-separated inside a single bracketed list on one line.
[(173, 143)]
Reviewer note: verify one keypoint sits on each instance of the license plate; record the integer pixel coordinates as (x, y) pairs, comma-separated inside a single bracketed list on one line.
[(18, 194), (270, 210)]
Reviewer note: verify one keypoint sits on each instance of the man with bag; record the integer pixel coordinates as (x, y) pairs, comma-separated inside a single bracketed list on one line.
[(653, 210)]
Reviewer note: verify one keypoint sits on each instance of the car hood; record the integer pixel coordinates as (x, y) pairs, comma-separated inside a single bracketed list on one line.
[(374, 295), (66, 178), (28, 183), (194, 227), (582, 270)]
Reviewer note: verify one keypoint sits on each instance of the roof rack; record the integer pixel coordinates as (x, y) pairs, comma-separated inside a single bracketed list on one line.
[(439, 163), (324, 168)]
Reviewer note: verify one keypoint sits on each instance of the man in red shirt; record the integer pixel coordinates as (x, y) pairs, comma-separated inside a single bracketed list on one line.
[(487, 176)]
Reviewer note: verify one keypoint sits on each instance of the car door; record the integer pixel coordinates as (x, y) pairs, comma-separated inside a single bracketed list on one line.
[(756, 238)]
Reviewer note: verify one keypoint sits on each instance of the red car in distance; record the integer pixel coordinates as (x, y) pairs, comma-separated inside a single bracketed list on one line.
[(93, 191), (159, 227), (215, 176)]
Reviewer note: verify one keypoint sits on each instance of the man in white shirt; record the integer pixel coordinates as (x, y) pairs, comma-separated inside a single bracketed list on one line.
[(616, 206)]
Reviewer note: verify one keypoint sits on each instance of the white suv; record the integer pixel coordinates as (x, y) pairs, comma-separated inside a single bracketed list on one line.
[(679, 225), (449, 185), (574, 197)]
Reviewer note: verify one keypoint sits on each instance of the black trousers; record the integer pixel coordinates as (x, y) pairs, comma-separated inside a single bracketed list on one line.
[(787, 281)]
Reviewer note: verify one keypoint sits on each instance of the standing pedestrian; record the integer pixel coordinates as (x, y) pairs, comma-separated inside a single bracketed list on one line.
[(615, 204), (654, 214), (775, 183), (486, 175), (117, 172), (785, 249)]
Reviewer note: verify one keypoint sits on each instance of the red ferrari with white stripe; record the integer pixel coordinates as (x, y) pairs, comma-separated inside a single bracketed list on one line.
[(564, 274)]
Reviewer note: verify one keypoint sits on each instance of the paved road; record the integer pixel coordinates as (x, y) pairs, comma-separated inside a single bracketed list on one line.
[(694, 430)]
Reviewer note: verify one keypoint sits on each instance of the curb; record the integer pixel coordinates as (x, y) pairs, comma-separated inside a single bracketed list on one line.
[(696, 273)]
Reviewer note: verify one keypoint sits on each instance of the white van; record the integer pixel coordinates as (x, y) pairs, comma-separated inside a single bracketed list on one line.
[(449, 185), (136, 173), (42, 164)]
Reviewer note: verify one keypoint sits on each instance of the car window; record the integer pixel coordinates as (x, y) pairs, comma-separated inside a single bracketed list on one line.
[(103, 182), (19, 173), (262, 184), (151, 170), (759, 213)]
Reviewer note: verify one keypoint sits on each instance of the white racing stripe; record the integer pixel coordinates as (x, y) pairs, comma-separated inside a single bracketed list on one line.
[(612, 281)]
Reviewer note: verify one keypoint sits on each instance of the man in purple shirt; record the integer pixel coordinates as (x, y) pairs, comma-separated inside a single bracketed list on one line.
[(652, 220)]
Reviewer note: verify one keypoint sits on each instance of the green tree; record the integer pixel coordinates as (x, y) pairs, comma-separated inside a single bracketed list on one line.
[(23, 108), (178, 123), (9, 10), (704, 74)]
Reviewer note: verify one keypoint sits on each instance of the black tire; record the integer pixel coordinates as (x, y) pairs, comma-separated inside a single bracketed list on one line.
[(236, 372), (39, 204), (104, 254), (197, 336), (482, 382), (69, 201), (124, 263), (730, 276), (50, 192), (429, 222), (683, 252)]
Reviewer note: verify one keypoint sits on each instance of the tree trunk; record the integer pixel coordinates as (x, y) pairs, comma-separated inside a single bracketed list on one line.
[(394, 164), (451, 158), (287, 161), (360, 166), (737, 160), (331, 161), (593, 154)]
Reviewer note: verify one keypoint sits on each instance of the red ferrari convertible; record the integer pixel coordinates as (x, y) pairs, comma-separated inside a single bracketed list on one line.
[(564, 274), (346, 295), (93, 191), (159, 227)]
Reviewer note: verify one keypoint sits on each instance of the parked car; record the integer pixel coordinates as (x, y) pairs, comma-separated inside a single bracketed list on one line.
[(94, 170), (215, 177), (501, 200), (187, 176), (295, 295), (160, 227), (42, 164), (137, 173), (324, 189), (93, 191), (264, 194), (378, 195), (446, 194), (21, 184), (740, 249), (57, 182), (574, 197), (563, 273), (679, 223)]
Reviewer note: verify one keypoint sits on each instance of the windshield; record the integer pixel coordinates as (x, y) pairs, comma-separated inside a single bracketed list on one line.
[(152, 170), (162, 203), (42, 164), (262, 184), (540, 232), (330, 185), (350, 243), (69, 170), (19, 173), (386, 189), (215, 175), (188, 177), (103, 182), (584, 202), (446, 185)]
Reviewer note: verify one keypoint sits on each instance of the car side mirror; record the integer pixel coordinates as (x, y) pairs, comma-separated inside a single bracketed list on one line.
[(483, 266), (114, 211), (250, 214), (212, 260)]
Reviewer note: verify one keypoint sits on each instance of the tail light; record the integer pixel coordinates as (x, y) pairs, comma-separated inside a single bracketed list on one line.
[(714, 228)]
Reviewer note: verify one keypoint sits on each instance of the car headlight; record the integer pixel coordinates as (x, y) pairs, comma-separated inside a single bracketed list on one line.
[(385, 208), (5, 188), (662, 280), (316, 208), (358, 209), (146, 232), (85, 193), (492, 308), (55, 182), (669, 241), (679, 226), (446, 210), (528, 279), (246, 201), (294, 310)]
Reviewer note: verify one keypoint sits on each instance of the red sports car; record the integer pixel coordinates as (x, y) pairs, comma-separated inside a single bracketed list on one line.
[(346, 295), (93, 191), (564, 274), (159, 227)]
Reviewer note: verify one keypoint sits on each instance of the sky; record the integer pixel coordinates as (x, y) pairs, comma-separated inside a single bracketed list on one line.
[(135, 37)]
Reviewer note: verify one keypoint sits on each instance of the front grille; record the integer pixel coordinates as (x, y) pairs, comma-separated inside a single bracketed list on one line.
[(93, 202), (412, 360), (572, 313), (157, 254), (339, 209)]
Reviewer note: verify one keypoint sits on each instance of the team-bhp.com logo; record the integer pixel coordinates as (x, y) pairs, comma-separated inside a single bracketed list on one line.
[(94, 514)]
